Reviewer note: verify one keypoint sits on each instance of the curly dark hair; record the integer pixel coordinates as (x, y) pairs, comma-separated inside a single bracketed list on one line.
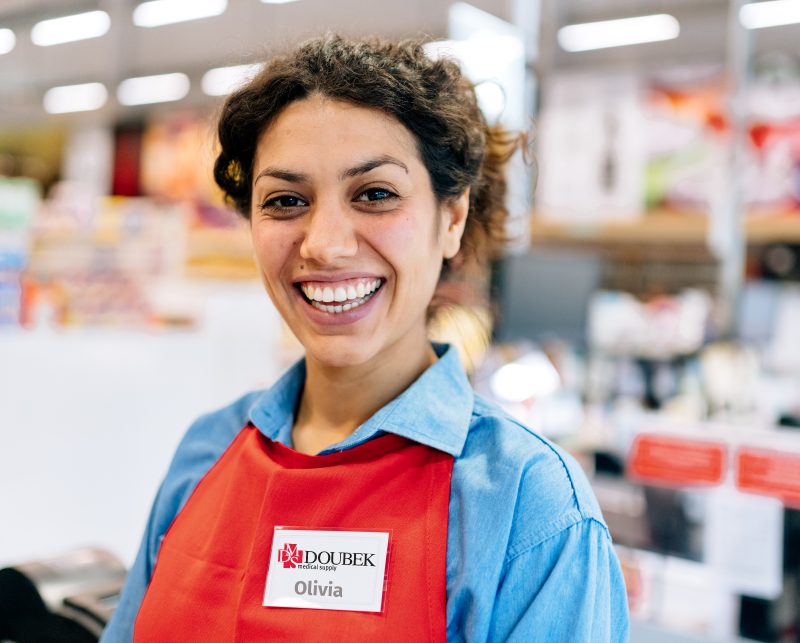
[(432, 98)]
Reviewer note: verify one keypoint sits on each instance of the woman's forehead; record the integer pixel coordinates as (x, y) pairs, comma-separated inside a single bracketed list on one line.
[(338, 130)]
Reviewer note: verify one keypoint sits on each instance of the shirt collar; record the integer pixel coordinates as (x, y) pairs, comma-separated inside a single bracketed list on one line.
[(435, 410)]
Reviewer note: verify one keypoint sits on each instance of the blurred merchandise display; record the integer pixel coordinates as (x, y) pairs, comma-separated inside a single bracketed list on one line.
[(86, 261), (688, 433), (699, 485), (620, 146)]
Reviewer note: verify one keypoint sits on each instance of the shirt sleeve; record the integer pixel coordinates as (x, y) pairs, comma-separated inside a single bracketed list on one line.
[(120, 627), (568, 588)]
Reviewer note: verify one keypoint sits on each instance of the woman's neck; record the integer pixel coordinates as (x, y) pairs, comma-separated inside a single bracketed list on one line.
[(335, 401)]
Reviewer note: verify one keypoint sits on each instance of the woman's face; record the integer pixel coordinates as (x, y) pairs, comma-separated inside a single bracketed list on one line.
[(347, 233)]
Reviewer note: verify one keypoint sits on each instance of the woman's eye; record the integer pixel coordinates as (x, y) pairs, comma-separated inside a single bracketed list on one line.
[(375, 194), (283, 202)]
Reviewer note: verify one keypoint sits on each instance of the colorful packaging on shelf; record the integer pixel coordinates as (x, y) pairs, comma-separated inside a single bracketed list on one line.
[(19, 200)]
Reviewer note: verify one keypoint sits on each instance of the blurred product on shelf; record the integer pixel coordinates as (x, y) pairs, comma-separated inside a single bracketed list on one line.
[(590, 148), (667, 326), (12, 262), (687, 139), (19, 200), (177, 152), (218, 245)]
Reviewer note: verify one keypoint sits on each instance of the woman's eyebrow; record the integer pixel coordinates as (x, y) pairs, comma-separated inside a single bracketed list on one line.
[(371, 164), (285, 175), (362, 168)]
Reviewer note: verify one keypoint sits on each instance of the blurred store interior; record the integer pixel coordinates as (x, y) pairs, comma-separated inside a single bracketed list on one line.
[(645, 317)]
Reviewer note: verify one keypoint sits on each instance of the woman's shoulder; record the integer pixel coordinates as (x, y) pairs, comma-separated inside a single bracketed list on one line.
[(212, 432), (205, 441), (549, 489)]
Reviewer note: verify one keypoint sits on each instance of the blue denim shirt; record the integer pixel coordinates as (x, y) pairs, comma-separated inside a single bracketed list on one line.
[(528, 555)]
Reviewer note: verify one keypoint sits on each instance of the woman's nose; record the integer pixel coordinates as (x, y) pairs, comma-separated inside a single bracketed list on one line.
[(329, 235)]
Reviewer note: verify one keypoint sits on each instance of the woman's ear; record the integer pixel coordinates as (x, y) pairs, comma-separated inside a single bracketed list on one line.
[(454, 218)]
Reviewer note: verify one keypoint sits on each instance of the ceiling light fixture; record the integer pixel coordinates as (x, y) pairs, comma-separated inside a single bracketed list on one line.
[(80, 26), (618, 33), (166, 12), (223, 80), (75, 98), (774, 13), (7, 41), (144, 90), (277, 1)]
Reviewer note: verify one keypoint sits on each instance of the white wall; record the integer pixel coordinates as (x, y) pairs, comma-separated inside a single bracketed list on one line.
[(89, 419)]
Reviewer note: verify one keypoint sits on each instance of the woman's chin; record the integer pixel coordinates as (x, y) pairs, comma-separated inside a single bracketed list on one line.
[(339, 352)]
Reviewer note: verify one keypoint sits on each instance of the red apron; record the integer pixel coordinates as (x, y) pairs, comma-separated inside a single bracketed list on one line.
[(209, 579)]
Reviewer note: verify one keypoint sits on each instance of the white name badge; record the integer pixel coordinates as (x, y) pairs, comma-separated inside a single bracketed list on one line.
[(327, 570)]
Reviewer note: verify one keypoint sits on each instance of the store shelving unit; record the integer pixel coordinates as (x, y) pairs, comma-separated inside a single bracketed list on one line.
[(662, 227), (666, 251)]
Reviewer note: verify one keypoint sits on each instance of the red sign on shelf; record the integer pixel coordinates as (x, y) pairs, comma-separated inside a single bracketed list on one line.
[(676, 460), (771, 473)]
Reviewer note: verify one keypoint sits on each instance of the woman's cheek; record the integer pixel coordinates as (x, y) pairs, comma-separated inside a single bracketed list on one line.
[(399, 238)]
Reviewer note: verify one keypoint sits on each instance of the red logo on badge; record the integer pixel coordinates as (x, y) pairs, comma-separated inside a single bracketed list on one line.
[(290, 555)]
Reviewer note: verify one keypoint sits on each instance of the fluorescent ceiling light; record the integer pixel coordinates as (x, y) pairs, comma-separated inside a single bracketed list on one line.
[(153, 89), (75, 98), (80, 26), (618, 33), (223, 80), (7, 41), (167, 12), (277, 1), (758, 15)]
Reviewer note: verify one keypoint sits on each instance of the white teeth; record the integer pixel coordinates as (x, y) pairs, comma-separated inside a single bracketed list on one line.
[(354, 295)]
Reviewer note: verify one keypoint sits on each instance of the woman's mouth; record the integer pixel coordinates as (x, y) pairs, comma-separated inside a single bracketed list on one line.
[(340, 296)]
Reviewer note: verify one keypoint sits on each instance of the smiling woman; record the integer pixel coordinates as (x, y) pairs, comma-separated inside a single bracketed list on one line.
[(360, 212), (365, 169)]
